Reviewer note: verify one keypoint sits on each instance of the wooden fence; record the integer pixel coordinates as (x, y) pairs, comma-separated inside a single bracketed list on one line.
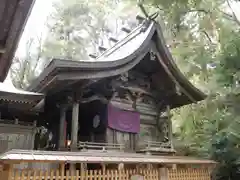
[(77, 175), (189, 174), (150, 174)]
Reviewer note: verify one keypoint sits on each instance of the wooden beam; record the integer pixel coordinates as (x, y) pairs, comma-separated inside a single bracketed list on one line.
[(94, 98), (132, 88), (125, 29), (142, 9), (94, 56), (140, 18), (2, 50), (154, 15), (136, 89), (102, 49), (113, 39)]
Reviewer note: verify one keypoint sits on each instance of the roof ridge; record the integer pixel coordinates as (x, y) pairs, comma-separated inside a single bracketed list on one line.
[(122, 41)]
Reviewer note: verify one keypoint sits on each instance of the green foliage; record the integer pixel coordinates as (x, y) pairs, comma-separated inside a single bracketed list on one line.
[(26, 67), (203, 36), (225, 152), (204, 39), (229, 66), (78, 27), (210, 129)]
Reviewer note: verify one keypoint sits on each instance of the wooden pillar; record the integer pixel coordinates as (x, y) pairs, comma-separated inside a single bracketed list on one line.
[(62, 138), (34, 131), (62, 170), (74, 130), (16, 121), (32, 137), (174, 166), (163, 174), (9, 171), (104, 168), (82, 167), (170, 133)]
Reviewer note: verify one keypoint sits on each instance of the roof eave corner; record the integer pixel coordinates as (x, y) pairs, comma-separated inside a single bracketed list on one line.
[(166, 59)]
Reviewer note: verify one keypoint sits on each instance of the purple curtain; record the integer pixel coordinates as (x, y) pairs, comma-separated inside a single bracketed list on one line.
[(125, 121)]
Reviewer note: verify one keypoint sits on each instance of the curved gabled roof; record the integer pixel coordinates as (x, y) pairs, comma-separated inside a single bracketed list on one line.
[(18, 99), (122, 57), (13, 17)]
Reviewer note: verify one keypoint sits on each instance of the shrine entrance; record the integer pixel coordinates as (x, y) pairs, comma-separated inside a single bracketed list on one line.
[(92, 118), (92, 126)]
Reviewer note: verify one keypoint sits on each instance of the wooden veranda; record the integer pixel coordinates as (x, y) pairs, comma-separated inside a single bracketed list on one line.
[(112, 165), (128, 174)]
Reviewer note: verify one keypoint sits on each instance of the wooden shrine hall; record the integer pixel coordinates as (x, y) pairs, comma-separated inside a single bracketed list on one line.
[(110, 116), (123, 96)]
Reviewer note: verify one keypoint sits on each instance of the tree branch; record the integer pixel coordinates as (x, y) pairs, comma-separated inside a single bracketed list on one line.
[(198, 10), (207, 36), (233, 13)]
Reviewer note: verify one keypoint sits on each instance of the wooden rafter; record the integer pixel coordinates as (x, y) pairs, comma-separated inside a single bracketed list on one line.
[(102, 49), (93, 56), (125, 29), (2, 50), (113, 39)]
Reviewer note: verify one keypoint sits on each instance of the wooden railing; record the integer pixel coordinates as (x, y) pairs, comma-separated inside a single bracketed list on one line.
[(125, 174), (147, 174), (100, 146), (148, 146), (145, 146), (16, 122)]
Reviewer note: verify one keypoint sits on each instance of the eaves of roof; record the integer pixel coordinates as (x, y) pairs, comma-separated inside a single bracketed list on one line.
[(13, 17), (119, 59)]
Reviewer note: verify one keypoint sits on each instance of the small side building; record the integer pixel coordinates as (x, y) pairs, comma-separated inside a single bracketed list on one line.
[(18, 118)]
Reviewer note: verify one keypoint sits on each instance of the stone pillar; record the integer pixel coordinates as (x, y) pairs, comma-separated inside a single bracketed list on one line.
[(74, 130), (62, 138)]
